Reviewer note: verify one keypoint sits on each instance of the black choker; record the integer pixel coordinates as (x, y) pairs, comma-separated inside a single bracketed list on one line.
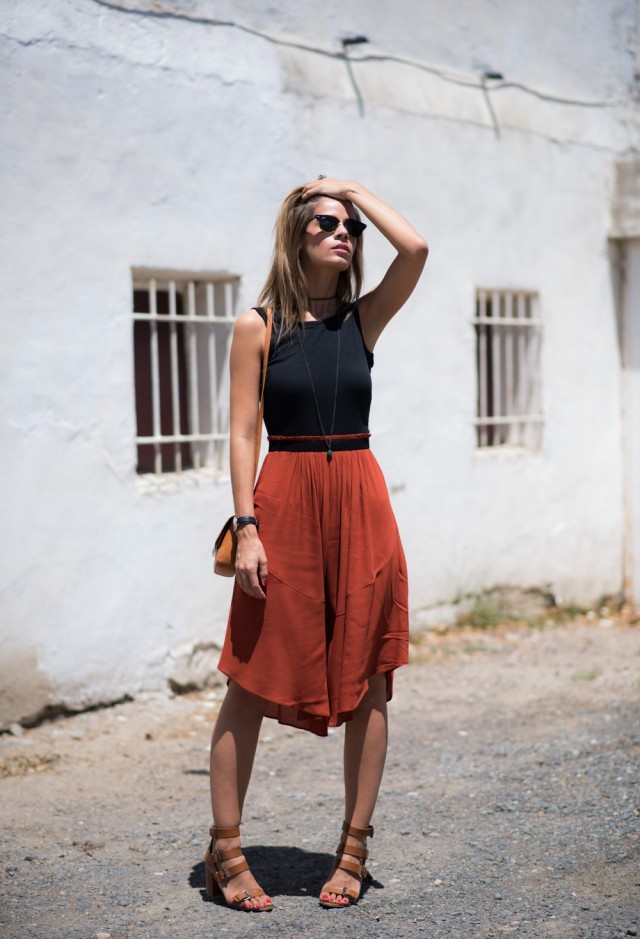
[(317, 299)]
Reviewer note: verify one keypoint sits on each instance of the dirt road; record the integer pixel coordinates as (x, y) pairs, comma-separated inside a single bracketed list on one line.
[(509, 807)]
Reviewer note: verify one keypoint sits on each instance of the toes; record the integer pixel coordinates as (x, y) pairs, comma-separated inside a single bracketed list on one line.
[(334, 897)]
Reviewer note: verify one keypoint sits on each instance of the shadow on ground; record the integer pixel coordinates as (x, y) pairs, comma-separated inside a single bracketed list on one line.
[(290, 872)]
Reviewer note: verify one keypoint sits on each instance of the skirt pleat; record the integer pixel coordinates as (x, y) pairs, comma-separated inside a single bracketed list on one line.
[(336, 611)]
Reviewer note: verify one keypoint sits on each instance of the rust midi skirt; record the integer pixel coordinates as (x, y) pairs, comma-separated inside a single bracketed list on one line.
[(336, 609)]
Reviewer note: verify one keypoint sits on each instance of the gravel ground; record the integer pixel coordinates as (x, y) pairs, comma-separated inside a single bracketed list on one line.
[(509, 806)]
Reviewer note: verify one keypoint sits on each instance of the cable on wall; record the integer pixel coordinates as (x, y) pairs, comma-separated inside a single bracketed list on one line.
[(156, 12)]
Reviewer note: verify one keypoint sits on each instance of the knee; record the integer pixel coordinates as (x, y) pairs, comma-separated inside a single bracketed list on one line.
[(375, 698), (243, 702)]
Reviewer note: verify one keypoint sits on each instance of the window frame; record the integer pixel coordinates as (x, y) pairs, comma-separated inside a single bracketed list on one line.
[(508, 354), (186, 381)]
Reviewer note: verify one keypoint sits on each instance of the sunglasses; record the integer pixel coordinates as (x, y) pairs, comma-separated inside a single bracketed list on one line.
[(352, 226)]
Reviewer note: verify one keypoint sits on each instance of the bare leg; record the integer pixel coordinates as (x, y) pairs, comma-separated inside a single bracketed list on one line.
[(365, 750), (233, 748)]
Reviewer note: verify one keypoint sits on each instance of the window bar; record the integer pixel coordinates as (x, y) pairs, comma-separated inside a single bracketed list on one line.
[(193, 372), (508, 370), (522, 366), (496, 377), (175, 384), (525, 418), (528, 337), (482, 371), (534, 403), (502, 346), (222, 306), (155, 375), (213, 378), (539, 379), (229, 300)]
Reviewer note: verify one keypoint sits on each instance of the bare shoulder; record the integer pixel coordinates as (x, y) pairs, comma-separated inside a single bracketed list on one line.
[(249, 328), (249, 322)]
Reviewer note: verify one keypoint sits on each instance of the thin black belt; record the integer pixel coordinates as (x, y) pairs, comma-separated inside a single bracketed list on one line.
[(311, 444)]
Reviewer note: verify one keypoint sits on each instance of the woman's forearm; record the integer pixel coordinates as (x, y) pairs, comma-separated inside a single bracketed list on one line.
[(395, 228), (251, 560)]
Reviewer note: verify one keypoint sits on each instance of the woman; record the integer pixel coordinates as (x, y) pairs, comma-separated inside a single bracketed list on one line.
[(316, 647)]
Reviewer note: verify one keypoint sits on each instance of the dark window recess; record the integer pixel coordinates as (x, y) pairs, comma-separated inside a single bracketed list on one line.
[(508, 354), (144, 397), (488, 436)]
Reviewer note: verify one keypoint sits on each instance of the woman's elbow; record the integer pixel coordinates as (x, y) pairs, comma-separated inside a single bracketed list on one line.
[(421, 249), (417, 249)]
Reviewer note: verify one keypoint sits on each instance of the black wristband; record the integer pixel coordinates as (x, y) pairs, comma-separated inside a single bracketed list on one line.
[(240, 520)]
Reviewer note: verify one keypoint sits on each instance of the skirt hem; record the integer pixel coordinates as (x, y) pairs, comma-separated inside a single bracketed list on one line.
[(290, 715)]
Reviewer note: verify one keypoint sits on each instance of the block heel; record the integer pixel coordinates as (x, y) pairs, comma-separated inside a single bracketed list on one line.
[(217, 872)]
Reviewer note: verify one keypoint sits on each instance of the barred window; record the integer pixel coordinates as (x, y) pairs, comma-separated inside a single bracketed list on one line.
[(508, 355), (182, 324)]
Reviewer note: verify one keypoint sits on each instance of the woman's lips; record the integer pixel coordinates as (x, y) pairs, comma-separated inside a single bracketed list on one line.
[(343, 249)]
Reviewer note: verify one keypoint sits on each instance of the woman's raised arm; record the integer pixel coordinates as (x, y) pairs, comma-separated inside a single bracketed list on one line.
[(383, 302)]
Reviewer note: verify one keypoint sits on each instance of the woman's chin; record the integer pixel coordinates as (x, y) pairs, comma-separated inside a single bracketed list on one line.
[(339, 260)]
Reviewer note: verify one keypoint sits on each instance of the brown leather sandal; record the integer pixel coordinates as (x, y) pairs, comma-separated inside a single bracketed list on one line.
[(356, 868), (217, 872)]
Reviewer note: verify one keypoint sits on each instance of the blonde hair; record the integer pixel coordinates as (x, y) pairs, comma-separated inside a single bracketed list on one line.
[(286, 289)]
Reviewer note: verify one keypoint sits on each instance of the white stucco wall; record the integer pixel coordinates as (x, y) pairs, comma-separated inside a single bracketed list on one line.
[(133, 140)]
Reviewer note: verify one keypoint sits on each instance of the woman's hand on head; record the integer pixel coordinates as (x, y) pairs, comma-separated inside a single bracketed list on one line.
[(342, 189), (251, 563)]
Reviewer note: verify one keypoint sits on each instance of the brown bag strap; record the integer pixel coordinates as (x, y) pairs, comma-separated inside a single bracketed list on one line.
[(265, 359)]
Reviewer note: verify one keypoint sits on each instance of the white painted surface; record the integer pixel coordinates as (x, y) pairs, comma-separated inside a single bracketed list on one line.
[(138, 141), (631, 391)]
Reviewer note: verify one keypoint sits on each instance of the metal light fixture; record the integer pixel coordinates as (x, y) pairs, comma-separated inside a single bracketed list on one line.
[(353, 41), (490, 76), (347, 43)]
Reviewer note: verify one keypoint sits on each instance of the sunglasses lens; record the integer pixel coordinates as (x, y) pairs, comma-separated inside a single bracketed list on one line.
[(354, 227), (329, 223)]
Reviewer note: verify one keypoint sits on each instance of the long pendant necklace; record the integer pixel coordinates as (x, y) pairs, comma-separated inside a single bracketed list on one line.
[(328, 438)]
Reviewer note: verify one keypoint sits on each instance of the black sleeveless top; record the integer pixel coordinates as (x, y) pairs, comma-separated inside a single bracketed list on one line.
[(289, 403)]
